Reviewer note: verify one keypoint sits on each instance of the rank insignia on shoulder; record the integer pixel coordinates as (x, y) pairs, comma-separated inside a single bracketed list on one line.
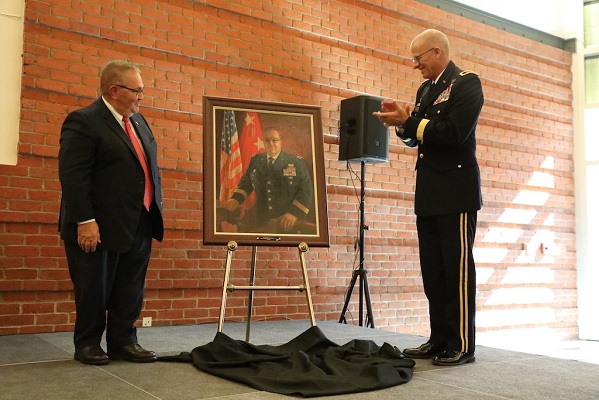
[(467, 71)]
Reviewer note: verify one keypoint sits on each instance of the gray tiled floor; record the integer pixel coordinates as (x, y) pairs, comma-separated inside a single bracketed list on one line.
[(41, 367)]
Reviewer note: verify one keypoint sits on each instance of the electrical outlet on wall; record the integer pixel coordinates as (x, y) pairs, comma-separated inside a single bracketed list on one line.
[(146, 321)]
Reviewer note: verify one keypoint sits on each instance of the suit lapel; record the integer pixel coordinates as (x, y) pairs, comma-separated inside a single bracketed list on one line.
[(140, 127), (113, 124)]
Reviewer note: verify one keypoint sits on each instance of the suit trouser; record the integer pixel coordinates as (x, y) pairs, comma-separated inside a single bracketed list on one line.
[(109, 289), (449, 277)]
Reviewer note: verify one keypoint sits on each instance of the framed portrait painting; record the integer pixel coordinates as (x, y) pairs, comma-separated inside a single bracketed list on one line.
[(264, 180)]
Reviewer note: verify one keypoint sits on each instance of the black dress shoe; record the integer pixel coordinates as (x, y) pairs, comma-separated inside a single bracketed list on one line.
[(92, 355), (134, 353), (427, 350), (453, 357)]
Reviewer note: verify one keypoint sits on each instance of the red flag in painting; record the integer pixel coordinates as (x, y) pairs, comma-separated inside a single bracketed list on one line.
[(230, 157), (251, 141)]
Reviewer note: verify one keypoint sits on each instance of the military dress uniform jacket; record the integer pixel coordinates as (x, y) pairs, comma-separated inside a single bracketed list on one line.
[(443, 126), (286, 187)]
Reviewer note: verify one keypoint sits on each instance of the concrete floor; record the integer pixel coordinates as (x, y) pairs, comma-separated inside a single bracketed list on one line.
[(41, 366)]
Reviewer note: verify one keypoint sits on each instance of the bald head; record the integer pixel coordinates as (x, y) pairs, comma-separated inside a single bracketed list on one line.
[(430, 52), (432, 38)]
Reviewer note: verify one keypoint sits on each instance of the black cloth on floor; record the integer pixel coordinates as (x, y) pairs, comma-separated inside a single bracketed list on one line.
[(309, 365)]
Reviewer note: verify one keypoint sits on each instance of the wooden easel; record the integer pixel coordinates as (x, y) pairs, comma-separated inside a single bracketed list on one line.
[(231, 247)]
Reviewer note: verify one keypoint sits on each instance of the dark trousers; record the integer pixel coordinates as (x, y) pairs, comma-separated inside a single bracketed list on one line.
[(449, 277), (109, 289)]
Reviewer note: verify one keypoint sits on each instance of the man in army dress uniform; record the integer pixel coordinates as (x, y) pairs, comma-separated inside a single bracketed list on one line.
[(283, 186), (448, 193)]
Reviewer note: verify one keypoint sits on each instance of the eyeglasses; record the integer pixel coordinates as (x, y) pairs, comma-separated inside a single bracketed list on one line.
[(416, 59), (272, 140), (137, 92)]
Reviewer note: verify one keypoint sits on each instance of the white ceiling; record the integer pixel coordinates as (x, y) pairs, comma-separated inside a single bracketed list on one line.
[(562, 18)]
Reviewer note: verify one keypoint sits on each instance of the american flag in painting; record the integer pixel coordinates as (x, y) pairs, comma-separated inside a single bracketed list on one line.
[(230, 157)]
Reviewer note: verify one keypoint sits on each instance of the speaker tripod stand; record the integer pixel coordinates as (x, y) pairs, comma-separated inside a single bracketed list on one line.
[(360, 273)]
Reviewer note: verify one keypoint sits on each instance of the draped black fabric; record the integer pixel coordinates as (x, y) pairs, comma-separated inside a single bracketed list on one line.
[(309, 365)]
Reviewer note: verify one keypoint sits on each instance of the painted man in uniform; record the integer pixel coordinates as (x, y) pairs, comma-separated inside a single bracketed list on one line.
[(284, 191)]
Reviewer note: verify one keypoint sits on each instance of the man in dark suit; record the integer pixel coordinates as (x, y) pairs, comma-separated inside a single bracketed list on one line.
[(111, 208), (448, 193), (284, 191)]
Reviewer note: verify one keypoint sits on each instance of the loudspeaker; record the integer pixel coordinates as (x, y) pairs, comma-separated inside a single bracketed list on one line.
[(362, 136)]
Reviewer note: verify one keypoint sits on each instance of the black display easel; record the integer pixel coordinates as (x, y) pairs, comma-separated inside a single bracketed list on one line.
[(360, 272)]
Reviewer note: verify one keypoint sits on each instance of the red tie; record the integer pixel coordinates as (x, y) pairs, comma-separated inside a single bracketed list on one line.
[(142, 161)]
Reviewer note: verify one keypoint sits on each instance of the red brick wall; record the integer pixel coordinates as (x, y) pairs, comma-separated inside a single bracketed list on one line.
[(315, 53)]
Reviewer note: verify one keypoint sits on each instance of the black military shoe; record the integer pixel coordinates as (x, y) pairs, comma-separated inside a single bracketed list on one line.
[(427, 350), (453, 357)]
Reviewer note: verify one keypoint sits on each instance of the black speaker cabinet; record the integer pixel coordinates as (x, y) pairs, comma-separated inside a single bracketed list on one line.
[(362, 136)]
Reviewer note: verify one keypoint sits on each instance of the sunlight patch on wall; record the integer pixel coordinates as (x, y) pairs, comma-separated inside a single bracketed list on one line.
[(529, 255), (522, 287), (490, 255), (521, 295), (483, 275), (528, 316), (549, 163), (502, 235), (520, 275), (542, 179), (530, 198), (517, 216), (543, 239), (550, 220)]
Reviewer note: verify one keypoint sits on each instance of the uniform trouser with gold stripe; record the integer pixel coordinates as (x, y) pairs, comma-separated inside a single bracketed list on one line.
[(449, 277)]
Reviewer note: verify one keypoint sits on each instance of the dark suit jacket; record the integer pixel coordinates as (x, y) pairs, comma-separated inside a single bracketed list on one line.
[(102, 178), (443, 125)]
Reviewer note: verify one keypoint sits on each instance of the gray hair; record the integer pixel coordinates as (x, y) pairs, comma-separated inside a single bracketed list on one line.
[(113, 73)]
